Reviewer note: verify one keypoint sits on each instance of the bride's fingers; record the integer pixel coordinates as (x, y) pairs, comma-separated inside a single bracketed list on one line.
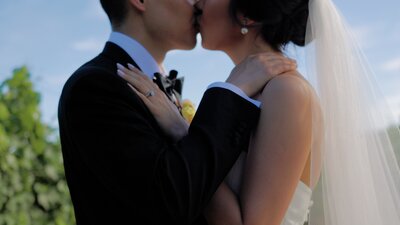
[(142, 84), (141, 96), (157, 103), (131, 80), (137, 71), (134, 72), (142, 77)]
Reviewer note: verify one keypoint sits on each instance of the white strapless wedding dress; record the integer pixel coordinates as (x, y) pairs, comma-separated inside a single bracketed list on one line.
[(297, 213)]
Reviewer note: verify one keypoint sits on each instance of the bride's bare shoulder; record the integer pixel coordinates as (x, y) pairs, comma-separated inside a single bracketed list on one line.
[(290, 86)]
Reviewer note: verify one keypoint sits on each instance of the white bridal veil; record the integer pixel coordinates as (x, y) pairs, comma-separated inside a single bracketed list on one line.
[(360, 176)]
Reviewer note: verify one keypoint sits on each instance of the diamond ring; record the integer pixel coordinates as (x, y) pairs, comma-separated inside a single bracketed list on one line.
[(150, 93)]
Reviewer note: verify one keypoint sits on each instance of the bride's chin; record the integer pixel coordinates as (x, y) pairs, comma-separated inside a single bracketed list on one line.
[(205, 44), (210, 47)]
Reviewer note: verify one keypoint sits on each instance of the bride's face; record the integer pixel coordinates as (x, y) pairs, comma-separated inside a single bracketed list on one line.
[(218, 30)]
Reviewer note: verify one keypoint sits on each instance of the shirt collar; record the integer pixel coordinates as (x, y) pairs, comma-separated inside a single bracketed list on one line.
[(137, 52)]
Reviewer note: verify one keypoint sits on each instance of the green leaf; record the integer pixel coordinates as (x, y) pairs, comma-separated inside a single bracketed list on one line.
[(4, 113), (4, 142)]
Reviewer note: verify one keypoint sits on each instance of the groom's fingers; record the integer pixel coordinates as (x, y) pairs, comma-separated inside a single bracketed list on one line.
[(280, 67), (283, 67), (271, 57), (275, 63), (278, 58)]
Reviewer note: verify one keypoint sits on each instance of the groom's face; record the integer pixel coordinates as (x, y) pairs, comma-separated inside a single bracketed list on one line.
[(171, 22)]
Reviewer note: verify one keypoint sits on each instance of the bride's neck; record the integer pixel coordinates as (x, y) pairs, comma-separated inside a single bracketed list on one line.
[(248, 46)]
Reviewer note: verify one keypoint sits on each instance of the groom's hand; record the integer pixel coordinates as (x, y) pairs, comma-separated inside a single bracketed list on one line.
[(253, 73)]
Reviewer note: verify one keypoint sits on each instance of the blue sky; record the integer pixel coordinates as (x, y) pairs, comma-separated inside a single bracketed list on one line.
[(53, 38)]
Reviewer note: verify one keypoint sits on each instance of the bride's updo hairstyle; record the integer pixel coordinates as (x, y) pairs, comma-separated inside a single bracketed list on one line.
[(281, 21)]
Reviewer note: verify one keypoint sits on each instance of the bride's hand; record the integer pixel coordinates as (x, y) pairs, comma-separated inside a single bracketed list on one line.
[(253, 73), (164, 111)]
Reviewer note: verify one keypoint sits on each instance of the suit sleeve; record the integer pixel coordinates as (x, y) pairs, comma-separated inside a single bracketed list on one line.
[(114, 134)]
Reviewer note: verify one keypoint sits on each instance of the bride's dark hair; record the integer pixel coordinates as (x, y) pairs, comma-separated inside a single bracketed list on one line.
[(281, 21)]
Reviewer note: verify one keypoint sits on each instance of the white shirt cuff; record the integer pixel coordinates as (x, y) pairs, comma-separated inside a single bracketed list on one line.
[(235, 90)]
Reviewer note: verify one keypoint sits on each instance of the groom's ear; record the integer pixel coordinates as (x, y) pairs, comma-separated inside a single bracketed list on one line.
[(138, 4)]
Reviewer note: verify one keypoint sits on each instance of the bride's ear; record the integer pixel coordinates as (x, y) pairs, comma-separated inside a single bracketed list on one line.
[(245, 21), (138, 5)]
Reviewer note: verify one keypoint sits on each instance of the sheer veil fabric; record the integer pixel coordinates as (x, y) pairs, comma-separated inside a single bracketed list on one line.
[(354, 169)]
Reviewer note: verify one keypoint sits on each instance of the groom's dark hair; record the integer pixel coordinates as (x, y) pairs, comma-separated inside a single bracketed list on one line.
[(116, 10)]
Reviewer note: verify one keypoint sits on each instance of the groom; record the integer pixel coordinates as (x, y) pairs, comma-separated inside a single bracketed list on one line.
[(120, 167)]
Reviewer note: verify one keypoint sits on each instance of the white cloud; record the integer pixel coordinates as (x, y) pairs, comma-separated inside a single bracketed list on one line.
[(88, 45), (392, 65)]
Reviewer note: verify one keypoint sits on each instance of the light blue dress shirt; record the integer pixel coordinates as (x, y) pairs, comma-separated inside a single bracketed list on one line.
[(149, 66)]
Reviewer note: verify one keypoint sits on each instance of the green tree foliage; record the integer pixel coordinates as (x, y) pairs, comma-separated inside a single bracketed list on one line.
[(33, 189)]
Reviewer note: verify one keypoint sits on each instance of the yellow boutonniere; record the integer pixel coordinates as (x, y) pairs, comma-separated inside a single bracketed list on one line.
[(188, 110)]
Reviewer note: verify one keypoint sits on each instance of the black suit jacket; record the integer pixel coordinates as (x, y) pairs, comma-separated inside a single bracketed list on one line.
[(119, 165)]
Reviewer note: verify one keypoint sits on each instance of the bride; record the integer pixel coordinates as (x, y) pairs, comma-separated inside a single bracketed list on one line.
[(326, 129)]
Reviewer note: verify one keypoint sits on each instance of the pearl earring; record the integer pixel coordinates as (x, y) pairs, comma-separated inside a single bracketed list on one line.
[(244, 29)]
